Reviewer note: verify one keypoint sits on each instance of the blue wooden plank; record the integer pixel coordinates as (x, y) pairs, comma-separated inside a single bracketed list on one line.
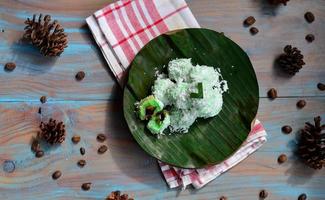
[(128, 168)]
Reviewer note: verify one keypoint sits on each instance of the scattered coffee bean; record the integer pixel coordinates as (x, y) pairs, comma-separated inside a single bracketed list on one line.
[(56, 175), (102, 149), (253, 30), (81, 163), (75, 139), (282, 158), (310, 17), (39, 110), (286, 129), (35, 146), (101, 137), (272, 93), (82, 151), (39, 153), (249, 21), (263, 194), (80, 75), (302, 197), (223, 198), (301, 104), (43, 99), (310, 37), (86, 186), (321, 86), (10, 66)]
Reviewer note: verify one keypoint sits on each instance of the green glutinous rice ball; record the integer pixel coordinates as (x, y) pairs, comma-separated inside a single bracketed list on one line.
[(190, 92)]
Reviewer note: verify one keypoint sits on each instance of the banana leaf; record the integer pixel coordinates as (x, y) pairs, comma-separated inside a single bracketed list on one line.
[(209, 141)]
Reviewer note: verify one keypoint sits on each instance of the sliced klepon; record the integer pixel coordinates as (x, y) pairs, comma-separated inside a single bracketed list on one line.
[(159, 122), (149, 106)]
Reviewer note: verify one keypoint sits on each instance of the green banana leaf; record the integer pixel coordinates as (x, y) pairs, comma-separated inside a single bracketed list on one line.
[(209, 141)]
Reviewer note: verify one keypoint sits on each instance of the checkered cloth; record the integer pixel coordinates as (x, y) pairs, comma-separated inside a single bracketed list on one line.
[(177, 177), (121, 29)]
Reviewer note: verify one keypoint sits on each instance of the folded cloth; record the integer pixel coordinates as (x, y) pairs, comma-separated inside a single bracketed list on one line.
[(177, 177), (121, 29)]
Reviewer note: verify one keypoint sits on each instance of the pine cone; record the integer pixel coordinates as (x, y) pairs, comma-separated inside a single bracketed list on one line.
[(48, 36), (312, 144), (116, 195), (52, 132), (276, 2), (291, 61)]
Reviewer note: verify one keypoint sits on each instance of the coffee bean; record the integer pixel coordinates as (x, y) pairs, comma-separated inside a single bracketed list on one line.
[(302, 197), (39, 153), (56, 175), (82, 151), (263, 194), (272, 93), (102, 149), (75, 139), (80, 75), (301, 104), (310, 37), (81, 163), (253, 30), (101, 137), (86, 186), (321, 86), (249, 21), (10, 66), (39, 110), (282, 158), (310, 17), (223, 198), (43, 99), (286, 129), (35, 146)]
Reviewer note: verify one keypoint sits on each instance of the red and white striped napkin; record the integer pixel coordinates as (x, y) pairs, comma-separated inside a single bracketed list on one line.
[(177, 177), (121, 29)]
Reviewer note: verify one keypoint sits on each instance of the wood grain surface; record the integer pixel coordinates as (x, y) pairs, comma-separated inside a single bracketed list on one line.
[(94, 106)]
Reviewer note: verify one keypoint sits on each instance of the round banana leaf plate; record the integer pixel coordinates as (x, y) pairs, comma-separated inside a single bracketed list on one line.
[(208, 141)]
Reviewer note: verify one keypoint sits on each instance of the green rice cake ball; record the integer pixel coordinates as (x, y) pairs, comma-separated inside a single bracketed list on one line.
[(179, 69), (161, 90)]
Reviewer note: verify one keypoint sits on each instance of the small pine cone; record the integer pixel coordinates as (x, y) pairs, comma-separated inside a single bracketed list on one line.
[(48, 36), (52, 132), (277, 2), (291, 61), (312, 144)]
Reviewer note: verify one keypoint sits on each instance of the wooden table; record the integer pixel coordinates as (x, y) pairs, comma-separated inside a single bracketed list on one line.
[(93, 106)]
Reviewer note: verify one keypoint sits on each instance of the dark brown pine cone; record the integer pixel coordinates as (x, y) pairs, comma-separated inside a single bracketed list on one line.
[(312, 144), (52, 132), (291, 61), (48, 36), (276, 2), (116, 195)]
